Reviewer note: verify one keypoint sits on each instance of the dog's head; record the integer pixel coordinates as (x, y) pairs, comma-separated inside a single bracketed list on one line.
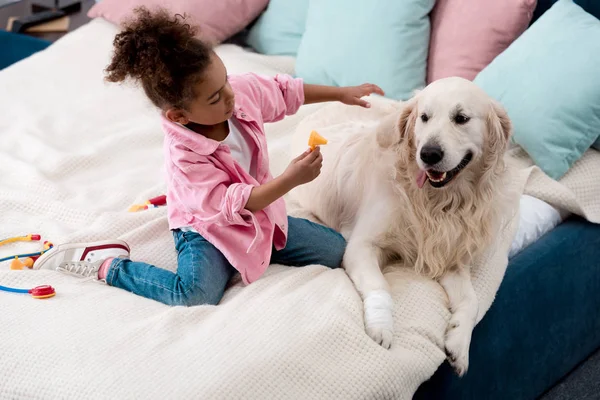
[(453, 128)]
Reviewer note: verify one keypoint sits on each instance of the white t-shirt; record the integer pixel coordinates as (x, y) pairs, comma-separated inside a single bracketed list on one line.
[(242, 148)]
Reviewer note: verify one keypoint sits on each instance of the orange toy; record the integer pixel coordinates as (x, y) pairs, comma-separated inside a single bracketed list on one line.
[(316, 140), (17, 264)]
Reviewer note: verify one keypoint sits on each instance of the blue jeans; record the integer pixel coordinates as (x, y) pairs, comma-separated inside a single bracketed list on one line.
[(203, 272)]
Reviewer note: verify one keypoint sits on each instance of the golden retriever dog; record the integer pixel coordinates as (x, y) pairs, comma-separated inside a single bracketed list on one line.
[(423, 188)]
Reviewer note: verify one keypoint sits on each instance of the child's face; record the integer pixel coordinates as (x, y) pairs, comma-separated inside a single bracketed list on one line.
[(214, 99)]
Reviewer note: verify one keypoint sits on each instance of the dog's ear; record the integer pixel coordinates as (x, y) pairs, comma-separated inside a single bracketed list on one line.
[(408, 117), (499, 127), (398, 125), (498, 118)]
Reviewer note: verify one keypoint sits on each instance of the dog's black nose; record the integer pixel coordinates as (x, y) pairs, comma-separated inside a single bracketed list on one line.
[(432, 155)]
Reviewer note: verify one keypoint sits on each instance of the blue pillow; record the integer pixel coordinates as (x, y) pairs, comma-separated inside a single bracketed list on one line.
[(279, 30), (350, 42), (548, 81)]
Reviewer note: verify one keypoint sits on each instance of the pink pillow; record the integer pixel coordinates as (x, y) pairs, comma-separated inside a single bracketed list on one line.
[(218, 19), (466, 35)]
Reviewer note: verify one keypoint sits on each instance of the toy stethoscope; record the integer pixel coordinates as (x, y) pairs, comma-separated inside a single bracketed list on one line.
[(38, 292)]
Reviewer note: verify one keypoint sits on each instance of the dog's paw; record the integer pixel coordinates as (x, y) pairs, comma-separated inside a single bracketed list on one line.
[(379, 321), (458, 339), (382, 335)]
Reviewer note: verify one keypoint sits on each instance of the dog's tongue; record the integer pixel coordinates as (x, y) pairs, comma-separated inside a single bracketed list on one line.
[(421, 178)]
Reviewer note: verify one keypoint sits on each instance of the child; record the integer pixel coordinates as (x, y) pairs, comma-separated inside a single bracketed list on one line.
[(225, 209)]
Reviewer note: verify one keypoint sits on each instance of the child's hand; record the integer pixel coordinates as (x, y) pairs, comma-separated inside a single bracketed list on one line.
[(352, 95), (301, 170), (304, 168)]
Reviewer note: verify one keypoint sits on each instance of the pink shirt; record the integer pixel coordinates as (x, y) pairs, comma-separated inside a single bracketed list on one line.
[(208, 189)]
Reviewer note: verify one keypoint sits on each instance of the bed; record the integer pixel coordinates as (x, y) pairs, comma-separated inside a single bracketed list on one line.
[(77, 152)]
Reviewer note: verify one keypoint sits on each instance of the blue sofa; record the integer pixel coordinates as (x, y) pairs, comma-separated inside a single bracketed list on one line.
[(544, 321), (15, 47)]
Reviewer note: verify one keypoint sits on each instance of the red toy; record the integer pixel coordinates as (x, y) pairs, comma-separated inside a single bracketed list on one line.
[(38, 292), (152, 203)]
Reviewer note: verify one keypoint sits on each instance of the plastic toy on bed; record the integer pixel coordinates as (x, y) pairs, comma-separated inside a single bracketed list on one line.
[(152, 203), (28, 258), (38, 292)]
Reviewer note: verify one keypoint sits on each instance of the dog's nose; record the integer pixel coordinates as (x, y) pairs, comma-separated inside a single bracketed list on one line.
[(432, 155)]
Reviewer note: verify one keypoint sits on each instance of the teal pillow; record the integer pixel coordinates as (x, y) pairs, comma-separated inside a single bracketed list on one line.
[(279, 30), (349, 42), (548, 81), (596, 144)]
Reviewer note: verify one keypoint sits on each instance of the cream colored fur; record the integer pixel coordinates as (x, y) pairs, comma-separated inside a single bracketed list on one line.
[(367, 190)]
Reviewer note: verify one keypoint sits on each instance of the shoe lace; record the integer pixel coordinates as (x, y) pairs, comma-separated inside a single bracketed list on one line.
[(80, 268)]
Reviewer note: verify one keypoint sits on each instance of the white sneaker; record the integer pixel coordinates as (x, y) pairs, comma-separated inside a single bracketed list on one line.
[(81, 259)]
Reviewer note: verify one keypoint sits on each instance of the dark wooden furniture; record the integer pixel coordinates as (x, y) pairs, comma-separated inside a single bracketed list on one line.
[(24, 8)]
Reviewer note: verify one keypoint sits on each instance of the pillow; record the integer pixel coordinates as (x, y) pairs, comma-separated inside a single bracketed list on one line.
[(596, 144), (467, 35), (591, 6), (279, 29), (536, 218), (548, 82), (218, 20), (350, 42)]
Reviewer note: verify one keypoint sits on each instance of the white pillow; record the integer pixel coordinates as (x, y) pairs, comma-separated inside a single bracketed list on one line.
[(536, 219)]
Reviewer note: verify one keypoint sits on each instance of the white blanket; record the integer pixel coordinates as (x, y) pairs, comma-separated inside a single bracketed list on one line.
[(75, 153)]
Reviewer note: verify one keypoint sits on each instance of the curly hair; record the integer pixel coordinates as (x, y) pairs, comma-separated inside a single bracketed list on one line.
[(160, 51)]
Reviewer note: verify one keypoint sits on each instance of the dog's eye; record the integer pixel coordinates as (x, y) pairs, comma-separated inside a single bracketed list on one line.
[(424, 117), (461, 119)]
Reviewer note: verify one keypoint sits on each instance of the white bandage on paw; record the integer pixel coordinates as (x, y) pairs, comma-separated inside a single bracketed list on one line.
[(378, 309)]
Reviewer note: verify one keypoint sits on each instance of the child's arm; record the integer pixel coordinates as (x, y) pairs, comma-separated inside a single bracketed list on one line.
[(347, 95), (301, 170), (276, 96), (207, 193), (283, 95)]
